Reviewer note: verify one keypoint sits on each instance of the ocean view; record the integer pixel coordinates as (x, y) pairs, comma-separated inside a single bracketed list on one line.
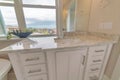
[(41, 24)]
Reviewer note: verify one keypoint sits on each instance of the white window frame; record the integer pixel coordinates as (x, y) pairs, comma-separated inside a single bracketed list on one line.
[(18, 6)]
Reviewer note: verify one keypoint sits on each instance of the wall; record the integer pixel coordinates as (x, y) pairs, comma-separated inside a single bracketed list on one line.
[(112, 60), (82, 15), (116, 72), (105, 16)]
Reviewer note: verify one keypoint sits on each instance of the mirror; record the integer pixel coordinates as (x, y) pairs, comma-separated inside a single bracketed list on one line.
[(69, 7), (76, 15)]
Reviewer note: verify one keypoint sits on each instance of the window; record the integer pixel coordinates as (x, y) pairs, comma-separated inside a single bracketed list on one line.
[(39, 15), (40, 2), (7, 1), (9, 18), (41, 20)]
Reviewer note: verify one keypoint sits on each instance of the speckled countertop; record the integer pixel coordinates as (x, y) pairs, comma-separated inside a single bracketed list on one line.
[(72, 39)]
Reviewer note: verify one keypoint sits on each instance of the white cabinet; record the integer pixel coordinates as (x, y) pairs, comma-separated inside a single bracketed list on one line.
[(80, 63), (29, 64), (70, 64)]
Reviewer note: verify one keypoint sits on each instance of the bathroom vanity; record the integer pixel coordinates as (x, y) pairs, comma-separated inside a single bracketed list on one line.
[(78, 56)]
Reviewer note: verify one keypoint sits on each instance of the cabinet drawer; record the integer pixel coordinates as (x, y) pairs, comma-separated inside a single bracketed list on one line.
[(32, 58), (35, 69), (92, 76), (94, 68), (38, 77), (97, 50), (96, 59)]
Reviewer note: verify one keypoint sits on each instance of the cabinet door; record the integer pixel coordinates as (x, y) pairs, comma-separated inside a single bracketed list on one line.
[(70, 64)]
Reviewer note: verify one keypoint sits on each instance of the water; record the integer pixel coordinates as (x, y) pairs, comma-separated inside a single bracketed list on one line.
[(41, 24)]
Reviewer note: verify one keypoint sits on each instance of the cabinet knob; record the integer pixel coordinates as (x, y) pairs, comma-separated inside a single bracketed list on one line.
[(99, 50), (99, 60), (33, 71), (31, 59)]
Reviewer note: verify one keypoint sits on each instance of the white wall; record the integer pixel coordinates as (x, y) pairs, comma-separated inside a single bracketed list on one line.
[(103, 12), (82, 15), (116, 72)]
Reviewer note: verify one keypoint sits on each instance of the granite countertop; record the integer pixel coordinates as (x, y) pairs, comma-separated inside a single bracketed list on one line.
[(4, 43), (69, 40)]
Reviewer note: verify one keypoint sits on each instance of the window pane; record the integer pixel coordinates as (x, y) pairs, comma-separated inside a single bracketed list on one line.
[(9, 18), (7, 1), (42, 20), (40, 2)]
